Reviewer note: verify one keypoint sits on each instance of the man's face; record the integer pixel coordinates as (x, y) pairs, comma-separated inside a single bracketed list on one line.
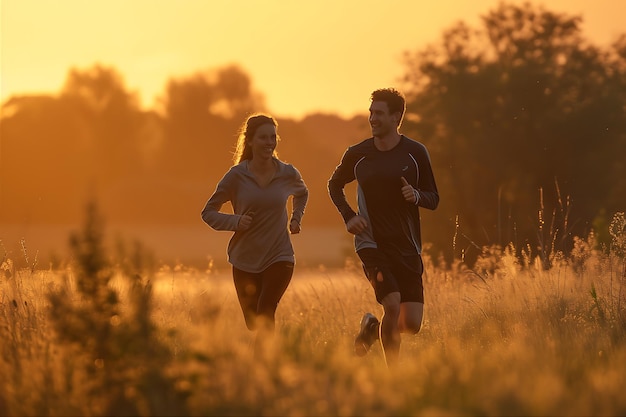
[(381, 122)]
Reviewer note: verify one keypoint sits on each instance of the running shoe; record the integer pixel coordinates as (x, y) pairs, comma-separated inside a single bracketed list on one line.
[(367, 336)]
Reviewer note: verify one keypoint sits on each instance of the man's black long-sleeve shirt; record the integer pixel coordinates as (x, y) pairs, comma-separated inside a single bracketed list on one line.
[(393, 222)]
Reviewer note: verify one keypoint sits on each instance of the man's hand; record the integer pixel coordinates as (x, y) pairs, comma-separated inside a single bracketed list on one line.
[(356, 225), (408, 192)]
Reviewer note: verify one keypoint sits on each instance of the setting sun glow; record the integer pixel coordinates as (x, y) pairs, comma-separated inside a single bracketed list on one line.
[(302, 57)]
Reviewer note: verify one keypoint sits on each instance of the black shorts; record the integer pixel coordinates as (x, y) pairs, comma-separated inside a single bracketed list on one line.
[(400, 273)]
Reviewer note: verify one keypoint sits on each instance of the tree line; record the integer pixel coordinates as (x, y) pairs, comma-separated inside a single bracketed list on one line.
[(525, 120), (526, 123)]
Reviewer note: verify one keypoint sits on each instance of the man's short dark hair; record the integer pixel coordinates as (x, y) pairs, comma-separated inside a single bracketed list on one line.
[(394, 99)]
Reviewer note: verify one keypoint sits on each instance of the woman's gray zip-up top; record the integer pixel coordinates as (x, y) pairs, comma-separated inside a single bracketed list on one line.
[(267, 240)]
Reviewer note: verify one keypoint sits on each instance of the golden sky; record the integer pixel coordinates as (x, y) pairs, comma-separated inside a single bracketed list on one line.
[(322, 55)]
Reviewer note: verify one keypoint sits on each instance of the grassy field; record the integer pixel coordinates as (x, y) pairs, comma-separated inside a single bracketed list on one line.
[(115, 335)]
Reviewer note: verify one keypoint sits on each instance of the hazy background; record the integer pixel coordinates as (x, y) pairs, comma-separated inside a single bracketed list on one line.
[(136, 104), (304, 56)]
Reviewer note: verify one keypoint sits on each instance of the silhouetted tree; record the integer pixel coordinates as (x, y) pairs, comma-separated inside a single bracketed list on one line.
[(114, 119), (91, 140), (201, 116), (118, 139), (521, 105), (236, 98)]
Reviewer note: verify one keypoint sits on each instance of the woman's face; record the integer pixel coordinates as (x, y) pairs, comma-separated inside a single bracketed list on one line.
[(263, 143)]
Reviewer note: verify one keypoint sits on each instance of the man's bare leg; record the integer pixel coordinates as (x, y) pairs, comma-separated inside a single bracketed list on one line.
[(411, 316), (389, 329)]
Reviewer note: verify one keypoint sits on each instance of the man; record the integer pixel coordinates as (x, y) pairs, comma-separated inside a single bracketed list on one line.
[(394, 178)]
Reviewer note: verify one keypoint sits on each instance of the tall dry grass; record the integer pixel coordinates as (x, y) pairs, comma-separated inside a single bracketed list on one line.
[(507, 337)]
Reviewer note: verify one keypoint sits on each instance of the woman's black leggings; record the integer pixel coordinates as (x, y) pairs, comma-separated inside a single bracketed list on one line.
[(259, 293)]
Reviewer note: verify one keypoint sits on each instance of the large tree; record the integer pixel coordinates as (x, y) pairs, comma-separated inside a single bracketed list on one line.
[(91, 141), (524, 119), (114, 119), (201, 115)]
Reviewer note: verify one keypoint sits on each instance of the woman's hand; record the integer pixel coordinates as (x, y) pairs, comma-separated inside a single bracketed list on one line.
[(244, 222), (294, 227)]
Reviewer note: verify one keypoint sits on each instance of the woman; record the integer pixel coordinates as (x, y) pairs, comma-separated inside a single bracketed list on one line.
[(258, 186)]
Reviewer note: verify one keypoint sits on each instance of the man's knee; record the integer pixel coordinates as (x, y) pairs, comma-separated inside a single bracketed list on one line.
[(412, 326), (411, 317)]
